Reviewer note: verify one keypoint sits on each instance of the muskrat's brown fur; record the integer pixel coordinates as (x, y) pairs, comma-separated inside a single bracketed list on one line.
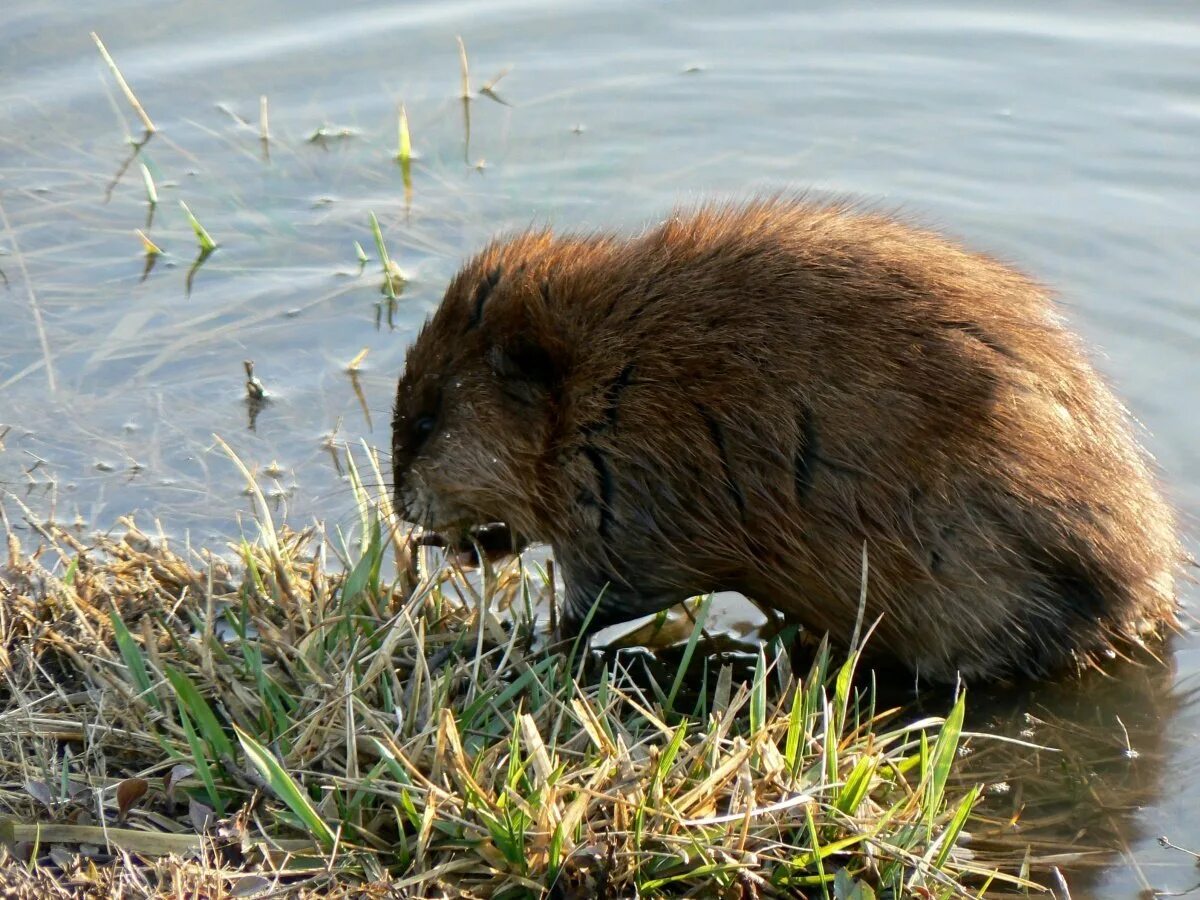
[(744, 396)]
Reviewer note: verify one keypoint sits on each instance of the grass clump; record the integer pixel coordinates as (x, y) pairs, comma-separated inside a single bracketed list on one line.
[(183, 723)]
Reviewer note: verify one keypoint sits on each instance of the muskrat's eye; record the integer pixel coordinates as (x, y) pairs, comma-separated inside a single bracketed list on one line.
[(423, 427)]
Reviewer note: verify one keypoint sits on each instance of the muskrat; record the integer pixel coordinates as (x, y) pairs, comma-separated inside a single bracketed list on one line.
[(745, 396)]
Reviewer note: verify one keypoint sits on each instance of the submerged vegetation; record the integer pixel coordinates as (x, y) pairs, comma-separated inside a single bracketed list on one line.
[(193, 724)]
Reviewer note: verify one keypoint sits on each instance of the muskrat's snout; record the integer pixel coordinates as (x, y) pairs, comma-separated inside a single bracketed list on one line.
[(405, 506)]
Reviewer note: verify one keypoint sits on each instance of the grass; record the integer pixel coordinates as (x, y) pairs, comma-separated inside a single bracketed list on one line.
[(404, 155), (403, 138), (264, 122), (151, 188), (290, 716), (149, 248), (464, 69), (207, 244), (393, 278), (125, 88)]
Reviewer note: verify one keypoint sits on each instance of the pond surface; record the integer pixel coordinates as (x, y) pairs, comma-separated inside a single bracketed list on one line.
[(1065, 137)]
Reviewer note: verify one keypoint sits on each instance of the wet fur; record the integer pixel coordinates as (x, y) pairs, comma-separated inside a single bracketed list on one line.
[(741, 397)]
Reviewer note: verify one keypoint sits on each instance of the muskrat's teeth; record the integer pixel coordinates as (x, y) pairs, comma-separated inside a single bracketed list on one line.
[(496, 540)]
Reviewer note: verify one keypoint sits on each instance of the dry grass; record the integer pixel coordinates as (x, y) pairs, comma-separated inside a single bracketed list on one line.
[(178, 723)]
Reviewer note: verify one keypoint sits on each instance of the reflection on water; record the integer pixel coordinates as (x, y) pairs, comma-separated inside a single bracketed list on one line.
[(1064, 138), (1080, 805)]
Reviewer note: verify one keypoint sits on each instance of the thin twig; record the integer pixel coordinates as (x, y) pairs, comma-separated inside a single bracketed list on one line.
[(1165, 842)]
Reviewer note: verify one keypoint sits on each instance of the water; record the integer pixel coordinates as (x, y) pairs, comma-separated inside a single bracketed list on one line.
[(1062, 137)]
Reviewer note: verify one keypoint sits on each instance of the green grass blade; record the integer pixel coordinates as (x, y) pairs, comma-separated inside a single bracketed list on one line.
[(148, 181), (364, 577), (381, 248), (954, 829), (858, 783), (945, 750), (404, 140), (200, 761), (843, 687), (758, 694), (131, 655), (201, 713), (818, 853), (207, 244), (285, 788), (693, 639), (668, 757), (831, 742)]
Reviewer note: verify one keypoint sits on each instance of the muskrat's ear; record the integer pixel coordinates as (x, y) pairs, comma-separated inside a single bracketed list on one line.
[(527, 369)]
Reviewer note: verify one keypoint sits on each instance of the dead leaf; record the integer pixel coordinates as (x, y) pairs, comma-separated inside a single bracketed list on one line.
[(250, 885), (40, 791), (176, 775), (129, 792), (202, 816)]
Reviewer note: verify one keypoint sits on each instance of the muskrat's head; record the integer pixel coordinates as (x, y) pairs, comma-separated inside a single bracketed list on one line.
[(476, 403)]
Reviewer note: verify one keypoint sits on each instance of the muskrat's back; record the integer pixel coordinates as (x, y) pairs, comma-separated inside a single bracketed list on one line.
[(743, 397)]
